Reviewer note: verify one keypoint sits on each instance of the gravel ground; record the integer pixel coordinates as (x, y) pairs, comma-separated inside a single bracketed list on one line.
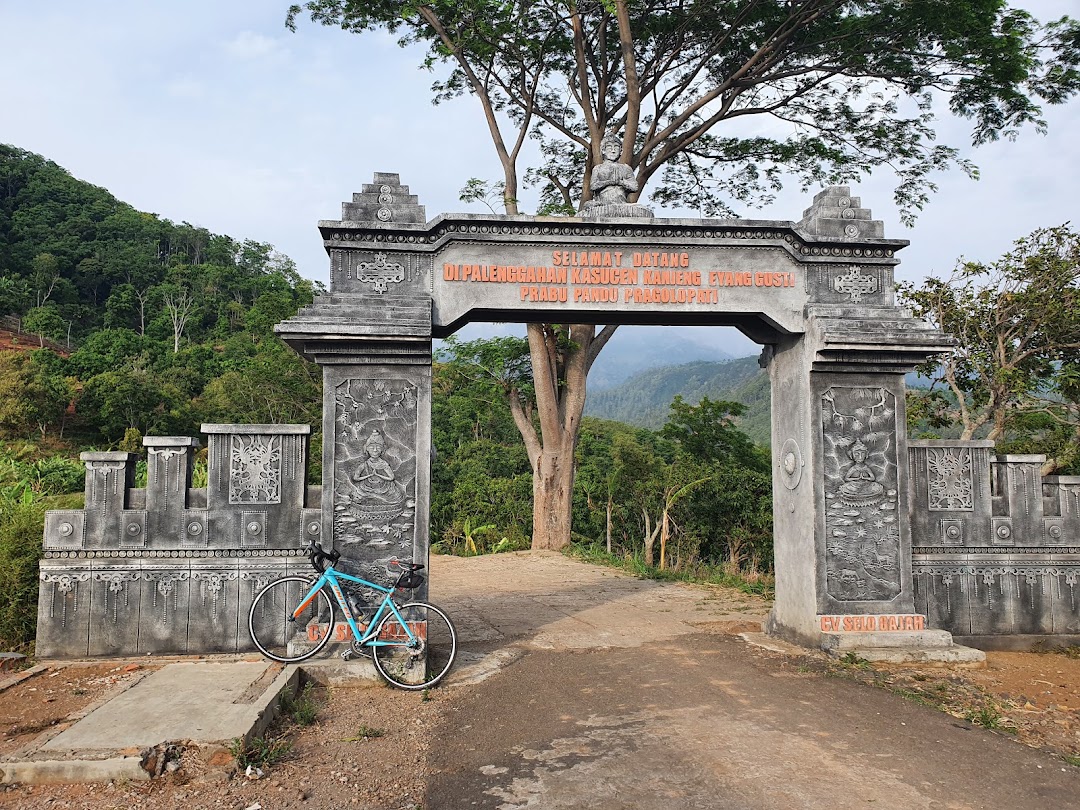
[(367, 749)]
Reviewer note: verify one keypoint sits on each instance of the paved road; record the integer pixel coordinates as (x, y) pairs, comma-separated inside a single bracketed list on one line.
[(675, 712)]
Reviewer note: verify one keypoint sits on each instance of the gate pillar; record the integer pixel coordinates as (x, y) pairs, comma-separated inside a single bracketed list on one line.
[(372, 336), (840, 479)]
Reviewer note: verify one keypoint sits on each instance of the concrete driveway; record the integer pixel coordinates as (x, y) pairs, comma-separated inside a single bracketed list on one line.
[(603, 691)]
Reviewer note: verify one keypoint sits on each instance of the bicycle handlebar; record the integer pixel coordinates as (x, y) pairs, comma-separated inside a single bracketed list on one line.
[(317, 556)]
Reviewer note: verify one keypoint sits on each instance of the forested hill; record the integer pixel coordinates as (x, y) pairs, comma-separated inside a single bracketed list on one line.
[(644, 399), (166, 324)]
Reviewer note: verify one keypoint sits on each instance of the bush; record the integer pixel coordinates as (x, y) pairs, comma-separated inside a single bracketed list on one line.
[(22, 522)]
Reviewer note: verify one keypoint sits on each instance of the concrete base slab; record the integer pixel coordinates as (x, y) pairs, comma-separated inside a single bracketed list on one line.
[(774, 644), (1019, 642), (932, 647), (60, 771), (356, 672), (198, 703), (208, 702)]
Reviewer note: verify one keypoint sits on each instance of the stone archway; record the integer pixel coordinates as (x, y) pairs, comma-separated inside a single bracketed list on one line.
[(817, 293)]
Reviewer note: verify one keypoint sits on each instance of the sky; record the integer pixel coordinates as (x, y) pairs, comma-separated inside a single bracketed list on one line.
[(212, 113)]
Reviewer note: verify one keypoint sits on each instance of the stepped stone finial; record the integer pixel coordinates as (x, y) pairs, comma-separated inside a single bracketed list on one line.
[(836, 213), (384, 200)]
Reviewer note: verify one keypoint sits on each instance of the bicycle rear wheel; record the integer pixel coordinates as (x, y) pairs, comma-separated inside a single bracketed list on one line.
[(278, 635), (421, 663)]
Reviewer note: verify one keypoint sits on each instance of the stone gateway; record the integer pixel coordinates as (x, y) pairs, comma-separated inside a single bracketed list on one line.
[(882, 545)]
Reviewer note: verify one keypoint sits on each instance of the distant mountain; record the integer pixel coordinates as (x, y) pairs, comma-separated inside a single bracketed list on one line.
[(644, 398), (635, 349)]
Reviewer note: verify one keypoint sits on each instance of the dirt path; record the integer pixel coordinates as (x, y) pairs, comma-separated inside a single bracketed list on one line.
[(670, 704)]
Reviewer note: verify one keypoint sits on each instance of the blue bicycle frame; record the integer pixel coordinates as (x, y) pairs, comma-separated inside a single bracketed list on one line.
[(330, 577)]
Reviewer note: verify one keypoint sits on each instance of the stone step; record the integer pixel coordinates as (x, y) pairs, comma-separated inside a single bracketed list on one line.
[(956, 655), (919, 639)]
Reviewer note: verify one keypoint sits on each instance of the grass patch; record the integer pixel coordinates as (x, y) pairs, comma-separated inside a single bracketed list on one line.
[(853, 660), (301, 708), (259, 752), (1072, 759), (365, 733), (751, 583), (1069, 651)]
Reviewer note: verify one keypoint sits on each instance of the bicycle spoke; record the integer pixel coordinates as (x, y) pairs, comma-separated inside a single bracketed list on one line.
[(420, 656), (273, 632)]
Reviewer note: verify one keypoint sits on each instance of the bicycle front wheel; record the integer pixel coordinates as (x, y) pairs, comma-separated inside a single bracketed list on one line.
[(422, 662), (277, 634)]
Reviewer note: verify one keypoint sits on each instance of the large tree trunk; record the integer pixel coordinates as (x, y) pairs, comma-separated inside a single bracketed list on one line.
[(553, 495), (561, 359)]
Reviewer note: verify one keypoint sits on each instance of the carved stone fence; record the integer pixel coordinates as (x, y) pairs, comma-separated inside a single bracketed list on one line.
[(995, 545), (169, 568)]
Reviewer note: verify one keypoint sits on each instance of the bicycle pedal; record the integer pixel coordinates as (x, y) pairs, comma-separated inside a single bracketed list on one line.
[(346, 655)]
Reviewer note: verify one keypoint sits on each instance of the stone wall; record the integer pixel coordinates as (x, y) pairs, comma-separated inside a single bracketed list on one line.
[(169, 568), (996, 545)]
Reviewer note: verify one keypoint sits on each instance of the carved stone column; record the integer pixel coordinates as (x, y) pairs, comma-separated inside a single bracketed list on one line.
[(840, 482), (372, 336)]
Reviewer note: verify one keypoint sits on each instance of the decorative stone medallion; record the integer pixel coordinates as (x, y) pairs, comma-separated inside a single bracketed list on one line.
[(855, 284)]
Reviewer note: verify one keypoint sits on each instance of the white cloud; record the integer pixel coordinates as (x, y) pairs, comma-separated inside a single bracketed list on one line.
[(249, 46)]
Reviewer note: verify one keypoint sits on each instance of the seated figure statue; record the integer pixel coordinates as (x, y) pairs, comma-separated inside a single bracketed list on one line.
[(611, 182)]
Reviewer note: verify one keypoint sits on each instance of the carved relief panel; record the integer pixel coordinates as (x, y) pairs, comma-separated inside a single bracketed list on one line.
[(377, 271), (255, 469), (862, 543), (855, 284), (375, 465), (950, 484)]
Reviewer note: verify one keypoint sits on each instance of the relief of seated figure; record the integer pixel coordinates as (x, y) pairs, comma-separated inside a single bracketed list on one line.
[(611, 183), (860, 483), (376, 487)]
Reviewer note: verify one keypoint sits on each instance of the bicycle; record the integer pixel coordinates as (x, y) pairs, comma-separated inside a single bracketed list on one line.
[(412, 645)]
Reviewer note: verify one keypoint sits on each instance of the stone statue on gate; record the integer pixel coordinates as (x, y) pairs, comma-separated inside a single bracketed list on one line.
[(611, 183)]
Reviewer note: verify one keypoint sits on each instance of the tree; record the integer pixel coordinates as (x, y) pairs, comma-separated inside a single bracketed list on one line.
[(179, 304), (45, 322), (707, 432), (831, 78), (45, 275), (33, 393), (842, 87), (1016, 323), (556, 398)]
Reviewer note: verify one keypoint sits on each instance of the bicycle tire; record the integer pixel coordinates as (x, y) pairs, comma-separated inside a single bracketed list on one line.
[(406, 667), (273, 630)]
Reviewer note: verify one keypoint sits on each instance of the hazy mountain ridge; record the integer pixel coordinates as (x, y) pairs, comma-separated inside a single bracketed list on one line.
[(637, 349), (644, 398)]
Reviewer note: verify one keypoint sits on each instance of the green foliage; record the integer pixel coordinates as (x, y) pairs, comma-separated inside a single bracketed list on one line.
[(301, 707), (171, 325), (644, 399), (259, 752), (22, 522), (33, 395), (365, 733), (986, 716), (700, 472), (707, 432), (760, 584), (854, 82), (1016, 367), (853, 660), (481, 474)]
